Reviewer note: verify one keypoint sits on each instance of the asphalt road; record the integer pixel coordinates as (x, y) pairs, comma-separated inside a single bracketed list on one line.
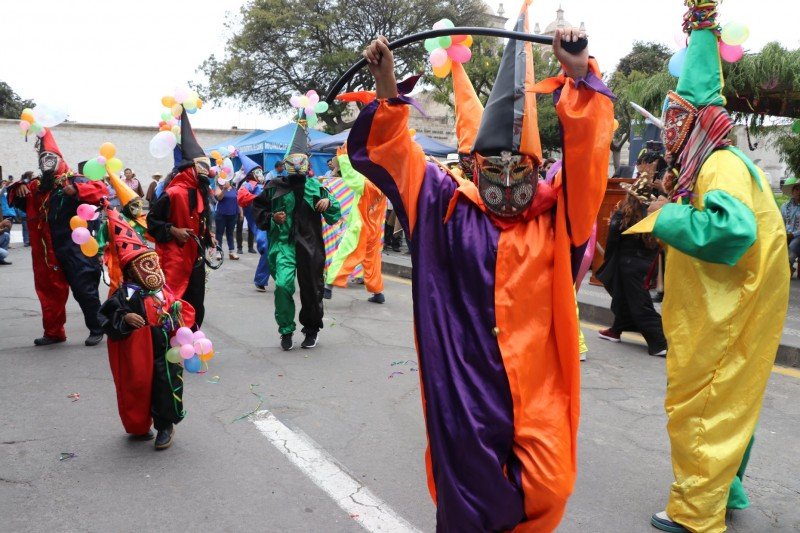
[(346, 396)]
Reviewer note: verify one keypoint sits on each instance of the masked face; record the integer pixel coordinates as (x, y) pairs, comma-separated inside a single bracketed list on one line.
[(259, 175), (467, 164), (147, 271), (48, 161), (506, 183), (134, 208), (297, 164), (202, 165), (678, 118)]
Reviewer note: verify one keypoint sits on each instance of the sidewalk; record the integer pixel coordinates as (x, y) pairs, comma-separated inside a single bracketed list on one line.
[(595, 303)]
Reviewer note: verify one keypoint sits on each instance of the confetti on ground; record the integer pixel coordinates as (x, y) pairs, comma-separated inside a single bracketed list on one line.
[(66, 455), (260, 403), (396, 363), (354, 516), (215, 379), (75, 396), (393, 374), (413, 370)]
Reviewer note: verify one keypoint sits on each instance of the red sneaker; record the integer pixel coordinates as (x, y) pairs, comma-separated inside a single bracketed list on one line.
[(609, 334)]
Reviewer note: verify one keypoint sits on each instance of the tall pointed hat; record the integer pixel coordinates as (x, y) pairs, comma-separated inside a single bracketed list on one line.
[(469, 109), (189, 149), (701, 80), (48, 144), (510, 119), (127, 243), (248, 165), (124, 193), (299, 143)]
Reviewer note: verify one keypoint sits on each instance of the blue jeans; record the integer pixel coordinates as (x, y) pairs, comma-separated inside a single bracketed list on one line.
[(26, 240), (226, 223), (5, 240), (261, 278), (794, 250)]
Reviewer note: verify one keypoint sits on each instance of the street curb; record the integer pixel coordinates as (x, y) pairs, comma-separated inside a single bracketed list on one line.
[(788, 356)]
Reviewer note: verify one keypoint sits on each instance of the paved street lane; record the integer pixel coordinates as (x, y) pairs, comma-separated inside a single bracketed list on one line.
[(354, 399)]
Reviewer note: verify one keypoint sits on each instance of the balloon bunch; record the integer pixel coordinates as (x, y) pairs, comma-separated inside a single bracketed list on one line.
[(309, 103), (80, 231), (444, 50), (732, 36), (169, 128), (223, 169), (39, 118), (97, 168), (190, 348)]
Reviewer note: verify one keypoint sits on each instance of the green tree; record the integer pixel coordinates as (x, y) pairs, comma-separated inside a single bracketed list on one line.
[(788, 145), (11, 105), (280, 47)]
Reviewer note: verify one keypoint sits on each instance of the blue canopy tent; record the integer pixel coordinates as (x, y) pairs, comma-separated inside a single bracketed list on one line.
[(236, 141), (268, 147), (430, 146)]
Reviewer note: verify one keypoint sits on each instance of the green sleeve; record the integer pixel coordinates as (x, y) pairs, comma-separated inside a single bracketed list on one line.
[(102, 239), (721, 232), (351, 177), (334, 211)]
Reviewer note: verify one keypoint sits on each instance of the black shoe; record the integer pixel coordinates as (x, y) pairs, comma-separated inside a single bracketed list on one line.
[(659, 297), (164, 437), (286, 342), (377, 298), (94, 340), (311, 339), (251, 251), (327, 293), (143, 437), (239, 251), (261, 288), (44, 340), (4, 262)]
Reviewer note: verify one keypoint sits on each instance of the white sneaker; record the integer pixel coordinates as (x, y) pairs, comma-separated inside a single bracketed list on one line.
[(583, 356)]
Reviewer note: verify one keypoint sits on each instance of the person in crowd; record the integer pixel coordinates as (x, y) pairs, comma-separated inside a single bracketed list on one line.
[(150, 195), (22, 216), (289, 210), (139, 319), (5, 241), (59, 265), (133, 182), (227, 213), (494, 300), (726, 288), (278, 172), (248, 187), (790, 211), (179, 222), (627, 262), (8, 211)]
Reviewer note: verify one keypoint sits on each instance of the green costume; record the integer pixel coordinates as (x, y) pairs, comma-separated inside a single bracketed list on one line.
[(296, 248)]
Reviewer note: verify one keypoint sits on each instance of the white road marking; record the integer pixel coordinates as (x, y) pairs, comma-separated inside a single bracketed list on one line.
[(354, 498)]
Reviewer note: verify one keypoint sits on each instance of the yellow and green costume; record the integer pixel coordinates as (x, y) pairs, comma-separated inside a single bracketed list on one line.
[(726, 296)]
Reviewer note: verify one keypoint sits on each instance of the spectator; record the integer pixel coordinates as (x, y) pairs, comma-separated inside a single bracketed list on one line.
[(279, 171), (331, 170), (22, 216), (132, 182), (9, 213), (791, 218), (628, 259), (150, 195), (226, 215), (5, 240)]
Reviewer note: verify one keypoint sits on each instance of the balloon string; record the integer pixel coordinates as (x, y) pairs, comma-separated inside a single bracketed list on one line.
[(260, 403)]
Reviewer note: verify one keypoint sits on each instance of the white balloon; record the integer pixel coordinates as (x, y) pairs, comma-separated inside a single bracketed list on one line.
[(49, 116), (162, 144)]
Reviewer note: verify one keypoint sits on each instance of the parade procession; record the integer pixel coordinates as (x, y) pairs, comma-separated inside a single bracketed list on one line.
[(401, 266)]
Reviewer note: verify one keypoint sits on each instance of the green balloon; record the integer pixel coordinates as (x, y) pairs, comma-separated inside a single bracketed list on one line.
[(431, 44), (94, 170), (312, 120), (445, 41), (174, 355), (321, 107)]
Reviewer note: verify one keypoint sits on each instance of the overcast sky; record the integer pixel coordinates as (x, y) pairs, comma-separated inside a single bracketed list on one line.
[(111, 62)]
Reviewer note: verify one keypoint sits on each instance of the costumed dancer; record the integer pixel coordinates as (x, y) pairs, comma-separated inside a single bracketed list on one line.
[(363, 239), (289, 210), (494, 303), (726, 289), (58, 263), (139, 319), (181, 213), (250, 187), (132, 211)]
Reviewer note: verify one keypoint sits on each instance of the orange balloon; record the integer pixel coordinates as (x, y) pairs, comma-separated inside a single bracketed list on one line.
[(468, 41), (176, 110), (412, 132), (199, 104), (615, 126), (27, 116), (444, 70), (90, 248), (108, 150), (168, 101), (76, 222), (207, 357)]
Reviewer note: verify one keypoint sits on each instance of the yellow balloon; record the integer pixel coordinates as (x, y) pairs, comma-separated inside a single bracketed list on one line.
[(90, 248), (176, 110), (108, 150), (615, 126), (215, 154), (412, 132), (468, 41), (114, 165), (27, 115), (444, 70), (199, 103), (168, 101), (207, 357), (76, 222)]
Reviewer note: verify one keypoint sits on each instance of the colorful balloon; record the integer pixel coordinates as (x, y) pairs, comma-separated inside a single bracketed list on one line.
[(168, 101), (458, 39), (438, 57), (676, 62), (49, 116), (203, 346), (443, 24), (735, 34), (468, 41), (27, 115), (192, 365), (173, 342), (108, 150), (444, 70), (294, 101), (81, 235), (176, 110), (181, 94), (86, 212), (115, 165), (76, 222), (730, 53), (162, 144), (174, 355), (94, 170), (321, 107), (459, 53), (187, 351), (431, 44), (24, 125), (197, 335), (313, 97), (90, 247), (303, 101), (445, 41), (207, 357), (184, 335)]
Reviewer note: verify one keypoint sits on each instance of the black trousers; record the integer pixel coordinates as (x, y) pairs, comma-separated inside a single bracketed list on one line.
[(196, 292), (310, 280), (83, 275), (239, 235), (632, 305), (166, 399)]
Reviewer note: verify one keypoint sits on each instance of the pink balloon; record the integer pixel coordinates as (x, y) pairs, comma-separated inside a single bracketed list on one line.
[(101, 160), (457, 39), (203, 346), (680, 39), (459, 53), (24, 125), (87, 212), (313, 97), (197, 335), (187, 351), (81, 235), (173, 342), (184, 335), (729, 53), (41, 133), (309, 111), (294, 101), (438, 57)]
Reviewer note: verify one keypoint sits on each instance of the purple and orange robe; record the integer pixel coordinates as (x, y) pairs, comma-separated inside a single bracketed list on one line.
[(494, 315)]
